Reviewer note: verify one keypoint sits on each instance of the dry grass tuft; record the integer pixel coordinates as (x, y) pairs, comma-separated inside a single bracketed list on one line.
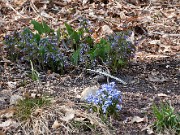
[(61, 119)]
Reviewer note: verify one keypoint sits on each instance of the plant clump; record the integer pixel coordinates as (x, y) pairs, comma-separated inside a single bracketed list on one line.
[(122, 49), (107, 101), (25, 107), (166, 119), (61, 50)]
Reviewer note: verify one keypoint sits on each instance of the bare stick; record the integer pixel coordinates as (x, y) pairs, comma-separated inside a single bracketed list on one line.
[(108, 75), (170, 35)]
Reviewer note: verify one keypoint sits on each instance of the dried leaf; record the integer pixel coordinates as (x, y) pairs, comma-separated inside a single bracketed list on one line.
[(85, 2), (44, 14), (148, 129), (69, 116), (106, 30), (12, 85), (69, 113), (79, 119), (155, 42), (8, 123), (14, 99), (88, 91), (2, 133), (156, 79), (38, 112), (161, 95), (56, 124), (7, 113), (137, 119)]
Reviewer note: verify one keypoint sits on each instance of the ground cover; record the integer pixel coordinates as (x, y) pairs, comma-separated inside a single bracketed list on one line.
[(152, 75)]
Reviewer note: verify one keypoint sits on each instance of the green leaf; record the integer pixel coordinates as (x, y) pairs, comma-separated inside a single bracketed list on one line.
[(72, 33), (37, 37), (41, 27), (89, 40), (42, 51), (38, 26), (121, 62), (101, 49), (69, 29), (46, 28), (75, 57)]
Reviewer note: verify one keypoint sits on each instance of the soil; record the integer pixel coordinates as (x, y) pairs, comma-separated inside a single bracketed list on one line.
[(152, 77)]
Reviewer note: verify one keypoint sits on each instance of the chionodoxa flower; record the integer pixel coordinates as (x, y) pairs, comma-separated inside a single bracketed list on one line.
[(108, 99)]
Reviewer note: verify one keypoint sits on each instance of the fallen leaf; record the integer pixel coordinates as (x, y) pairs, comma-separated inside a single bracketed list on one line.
[(106, 30), (7, 113), (37, 112), (9, 123), (148, 129), (137, 119), (85, 2), (154, 42), (69, 116), (2, 133), (12, 85), (161, 95), (56, 124), (14, 99), (44, 14), (19, 2), (79, 119), (88, 91), (69, 113)]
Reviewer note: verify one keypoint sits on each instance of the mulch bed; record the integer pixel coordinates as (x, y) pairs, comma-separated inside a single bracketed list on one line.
[(152, 77)]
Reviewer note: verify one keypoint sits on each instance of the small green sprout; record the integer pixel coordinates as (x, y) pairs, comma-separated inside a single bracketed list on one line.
[(25, 107), (166, 118), (34, 73)]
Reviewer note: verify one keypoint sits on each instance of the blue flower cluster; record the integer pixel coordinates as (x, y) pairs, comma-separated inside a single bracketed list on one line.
[(43, 48), (108, 98), (44, 52), (122, 49), (84, 57), (125, 48)]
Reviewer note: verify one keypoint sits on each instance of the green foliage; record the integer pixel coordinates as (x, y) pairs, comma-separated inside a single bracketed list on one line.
[(44, 52), (42, 28), (101, 50), (25, 107), (74, 36), (75, 57), (122, 50), (60, 50), (166, 119), (34, 73)]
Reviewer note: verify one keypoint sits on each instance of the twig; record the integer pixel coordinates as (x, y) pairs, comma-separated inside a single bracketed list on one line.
[(10, 6), (160, 33), (34, 8), (108, 75)]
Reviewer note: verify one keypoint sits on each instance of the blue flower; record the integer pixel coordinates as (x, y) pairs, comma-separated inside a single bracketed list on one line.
[(118, 107), (106, 97)]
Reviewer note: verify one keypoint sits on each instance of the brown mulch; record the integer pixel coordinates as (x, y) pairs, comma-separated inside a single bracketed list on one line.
[(152, 77)]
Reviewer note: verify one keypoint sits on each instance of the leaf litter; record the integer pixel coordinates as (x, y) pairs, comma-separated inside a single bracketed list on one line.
[(154, 70)]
